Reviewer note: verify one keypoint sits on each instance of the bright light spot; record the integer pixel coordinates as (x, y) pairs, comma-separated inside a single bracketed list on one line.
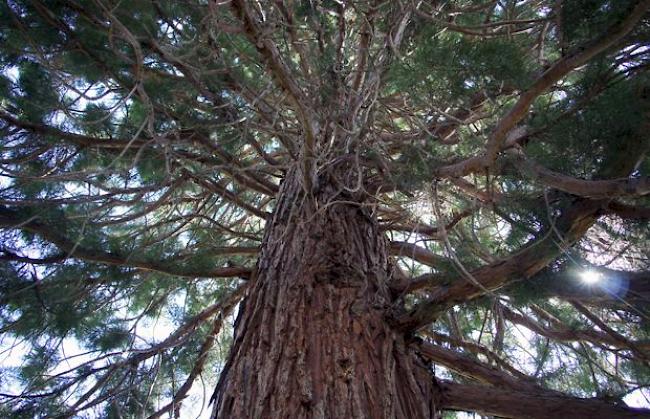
[(590, 276)]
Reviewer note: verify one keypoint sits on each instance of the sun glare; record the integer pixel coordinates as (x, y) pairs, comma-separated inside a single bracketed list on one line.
[(590, 276)]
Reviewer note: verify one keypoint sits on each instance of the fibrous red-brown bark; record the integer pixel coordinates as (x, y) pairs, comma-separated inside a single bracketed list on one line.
[(312, 339), (542, 404)]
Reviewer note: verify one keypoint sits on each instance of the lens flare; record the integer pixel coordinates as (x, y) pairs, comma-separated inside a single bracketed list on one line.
[(590, 276)]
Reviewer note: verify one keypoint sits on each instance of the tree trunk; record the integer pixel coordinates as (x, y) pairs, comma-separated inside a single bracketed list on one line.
[(312, 340)]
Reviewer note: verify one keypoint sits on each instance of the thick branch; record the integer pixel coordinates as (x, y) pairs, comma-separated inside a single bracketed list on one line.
[(628, 211), (471, 368), (476, 349), (596, 189), (492, 401), (573, 224), (614, 288)]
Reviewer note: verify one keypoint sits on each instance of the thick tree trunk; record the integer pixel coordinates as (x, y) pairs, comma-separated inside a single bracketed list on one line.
[(312, 340)]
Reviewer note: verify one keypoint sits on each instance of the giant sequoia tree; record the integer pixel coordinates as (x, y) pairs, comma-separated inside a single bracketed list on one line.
[(398, 201)]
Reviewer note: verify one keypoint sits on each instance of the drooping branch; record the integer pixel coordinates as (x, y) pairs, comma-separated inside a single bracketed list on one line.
[(487, 29), (561, 333), (221, 190), (178, 337), (429, 231), (74, 138), (134, 357), (473, 369), (228, 163), (641, 349), (476, 349), (199, 363), (10, 219)]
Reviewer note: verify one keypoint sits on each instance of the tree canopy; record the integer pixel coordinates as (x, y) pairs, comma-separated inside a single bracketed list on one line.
[(501, 145)]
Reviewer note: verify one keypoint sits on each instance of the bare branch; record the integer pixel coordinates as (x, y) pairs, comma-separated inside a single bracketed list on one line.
[(493, 401)]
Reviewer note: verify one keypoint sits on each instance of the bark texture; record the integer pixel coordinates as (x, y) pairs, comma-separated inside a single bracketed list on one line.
[(543, 404), (312, 340)]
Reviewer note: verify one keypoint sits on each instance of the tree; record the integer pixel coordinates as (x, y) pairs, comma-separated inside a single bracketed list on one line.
[(396, 200)]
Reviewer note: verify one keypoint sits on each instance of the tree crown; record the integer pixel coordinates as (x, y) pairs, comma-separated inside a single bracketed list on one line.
[(501, 146)]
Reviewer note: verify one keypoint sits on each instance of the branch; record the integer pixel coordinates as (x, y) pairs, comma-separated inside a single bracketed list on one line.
[(596, 189), (425, 229), (199, 364), (78, 139), (534, 257), (614, 289), (480, 30), (558, 70), (641, 349), (542, 404), (10, 219), (477, 349), (471, 368), (628, 211), (282, 73), (178, 337), (221, 190), (562, 333), (424, 281), (417, 253), (228, 163), (13, 257)]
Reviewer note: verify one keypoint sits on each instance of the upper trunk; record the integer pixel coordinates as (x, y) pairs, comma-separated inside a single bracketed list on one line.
[(312, 340)]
